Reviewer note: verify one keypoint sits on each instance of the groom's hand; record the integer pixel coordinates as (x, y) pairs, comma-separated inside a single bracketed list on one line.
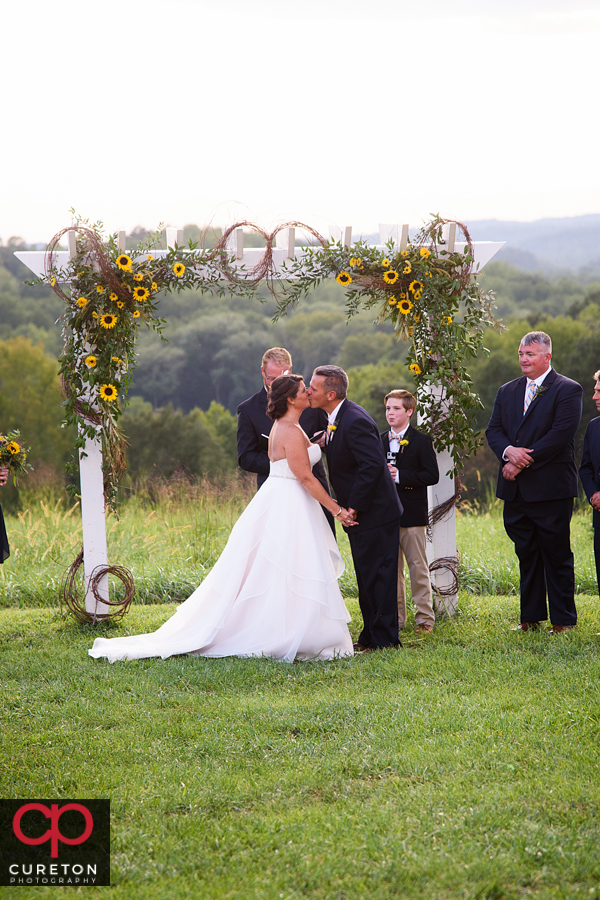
[(352, 513)]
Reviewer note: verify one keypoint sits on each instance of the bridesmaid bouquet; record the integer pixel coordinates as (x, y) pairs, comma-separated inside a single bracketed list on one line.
[(13, 454)]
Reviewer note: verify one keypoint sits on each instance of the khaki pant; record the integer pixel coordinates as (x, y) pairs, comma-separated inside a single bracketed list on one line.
[(413, 544)]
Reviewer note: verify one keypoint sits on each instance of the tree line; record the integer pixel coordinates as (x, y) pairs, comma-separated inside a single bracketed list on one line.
[(186, 389)]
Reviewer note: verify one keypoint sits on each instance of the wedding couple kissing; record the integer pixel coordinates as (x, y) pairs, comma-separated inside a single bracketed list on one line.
[(274, 590)]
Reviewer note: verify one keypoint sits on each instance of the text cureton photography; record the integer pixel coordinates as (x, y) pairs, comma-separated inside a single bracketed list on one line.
[(55, 842)]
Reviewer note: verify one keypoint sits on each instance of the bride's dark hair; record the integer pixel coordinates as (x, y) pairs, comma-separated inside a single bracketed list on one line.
[(283, 386)]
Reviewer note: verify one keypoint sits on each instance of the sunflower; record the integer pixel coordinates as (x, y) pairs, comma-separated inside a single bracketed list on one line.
[(425, 253), (343, 278), (149, 256), (13, 448), (113, 296), (411, 330), (141, 293), (405, 307), (415, 286), (118, 361), (94, 315), (108, 320), (81, 301), (390, 277), (447, 320), (407, 268), (99, 289), (417, 317), (355, 261), (179, 269), (415, 369), (154, 286), (404, 253), (120, 304), (136, 314), (403, 296), (124, 262), (108, 392), (392, 301), (91, 361), (385, 262), (52, 281), (138, 276)]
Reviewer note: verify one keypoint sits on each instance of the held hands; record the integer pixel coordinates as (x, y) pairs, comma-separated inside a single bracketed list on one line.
[(595, 500), (3, 475), (346, 517)]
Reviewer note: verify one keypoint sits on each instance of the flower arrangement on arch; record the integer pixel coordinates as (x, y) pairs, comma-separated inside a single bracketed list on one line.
[(433, 300)]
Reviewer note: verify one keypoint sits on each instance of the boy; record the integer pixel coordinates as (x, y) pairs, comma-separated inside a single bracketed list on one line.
[(413, 466)]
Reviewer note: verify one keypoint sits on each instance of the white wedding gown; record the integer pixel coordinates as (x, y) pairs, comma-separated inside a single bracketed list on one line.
[(273, 591)]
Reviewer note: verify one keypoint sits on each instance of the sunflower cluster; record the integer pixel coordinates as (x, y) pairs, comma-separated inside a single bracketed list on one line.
[(13, 454), (434, 303)]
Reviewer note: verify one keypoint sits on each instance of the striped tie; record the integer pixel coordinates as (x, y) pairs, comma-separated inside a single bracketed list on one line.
[(529, 396)]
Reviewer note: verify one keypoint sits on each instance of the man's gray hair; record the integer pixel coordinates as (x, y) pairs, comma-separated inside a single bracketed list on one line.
[(335, 380), (538, 337)]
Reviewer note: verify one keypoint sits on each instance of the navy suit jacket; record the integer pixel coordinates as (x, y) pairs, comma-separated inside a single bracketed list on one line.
[(417, 468), (548, 428), (358, 469), (589, 470), (253, 422)]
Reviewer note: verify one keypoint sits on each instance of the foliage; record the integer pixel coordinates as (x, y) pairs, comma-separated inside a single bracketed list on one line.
[(30, 401), (433, 301), (165, 440), (13, 454), (110, 293)]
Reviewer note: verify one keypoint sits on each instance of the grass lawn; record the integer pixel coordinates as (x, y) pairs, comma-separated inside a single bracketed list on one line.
[(464, 766)]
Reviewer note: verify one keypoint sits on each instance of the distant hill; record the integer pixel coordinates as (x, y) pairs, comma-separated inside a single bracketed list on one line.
[(546, 244), (543, 245)]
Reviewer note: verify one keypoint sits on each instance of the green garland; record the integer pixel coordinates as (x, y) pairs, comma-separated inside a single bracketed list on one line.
[(429, 295), (434, 302), (109, 295)]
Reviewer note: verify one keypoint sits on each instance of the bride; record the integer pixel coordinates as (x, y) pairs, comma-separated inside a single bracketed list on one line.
[(273, 592)]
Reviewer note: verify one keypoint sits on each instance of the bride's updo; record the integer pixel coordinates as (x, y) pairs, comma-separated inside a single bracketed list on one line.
[(282, 388)]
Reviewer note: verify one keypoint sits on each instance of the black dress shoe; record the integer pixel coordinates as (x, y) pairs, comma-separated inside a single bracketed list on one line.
[(360, 648)]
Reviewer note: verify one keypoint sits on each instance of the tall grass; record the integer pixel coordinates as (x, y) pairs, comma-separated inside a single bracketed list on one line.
[(171, 531)]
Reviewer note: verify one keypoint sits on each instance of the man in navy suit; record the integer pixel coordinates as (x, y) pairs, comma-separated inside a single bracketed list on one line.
[(531, 432), (589, 471), (254, 425), (363, 485)]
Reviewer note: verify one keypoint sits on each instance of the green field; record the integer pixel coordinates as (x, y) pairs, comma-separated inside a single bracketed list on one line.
[(464, 766)]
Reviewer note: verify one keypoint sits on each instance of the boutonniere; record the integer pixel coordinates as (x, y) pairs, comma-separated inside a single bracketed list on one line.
[(404, 442), (539, 390), (331, 429)]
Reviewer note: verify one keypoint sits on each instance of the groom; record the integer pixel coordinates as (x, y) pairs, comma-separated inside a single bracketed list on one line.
[(362, 483)]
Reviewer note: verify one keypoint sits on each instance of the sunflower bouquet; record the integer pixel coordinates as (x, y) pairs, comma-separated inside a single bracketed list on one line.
[(13, 454)]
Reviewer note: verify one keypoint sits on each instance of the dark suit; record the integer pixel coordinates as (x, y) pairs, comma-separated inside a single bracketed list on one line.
[(361, 481), (538, 505), (253, 422), (417, 468), (589, 472)]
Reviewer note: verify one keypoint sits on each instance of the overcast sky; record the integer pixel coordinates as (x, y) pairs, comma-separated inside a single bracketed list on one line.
[(331, 112)]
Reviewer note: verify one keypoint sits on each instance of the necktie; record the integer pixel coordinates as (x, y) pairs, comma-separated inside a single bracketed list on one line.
[(529, 396)]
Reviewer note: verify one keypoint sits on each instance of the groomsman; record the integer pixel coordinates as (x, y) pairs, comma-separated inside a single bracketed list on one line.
[(531, 432), (413, 466), (589, 471), (254, 425)]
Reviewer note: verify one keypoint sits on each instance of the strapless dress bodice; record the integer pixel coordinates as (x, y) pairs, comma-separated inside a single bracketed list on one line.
[(280, 467)]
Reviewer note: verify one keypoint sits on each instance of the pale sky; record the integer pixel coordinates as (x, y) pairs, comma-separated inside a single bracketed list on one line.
[(330, 112)]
